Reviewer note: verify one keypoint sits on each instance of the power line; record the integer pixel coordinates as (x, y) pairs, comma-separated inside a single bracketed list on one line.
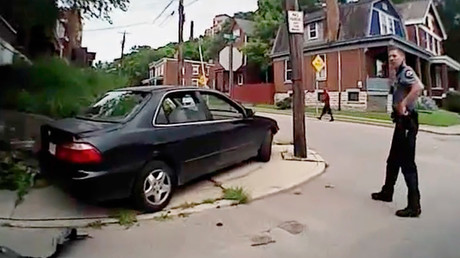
[(135, 24), (119, 27), (164, 10)]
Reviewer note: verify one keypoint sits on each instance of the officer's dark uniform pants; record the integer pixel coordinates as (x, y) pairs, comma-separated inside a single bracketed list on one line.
[(402, 155)]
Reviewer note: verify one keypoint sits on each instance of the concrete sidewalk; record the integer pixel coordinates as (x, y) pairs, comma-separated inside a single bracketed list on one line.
[(49, 207), (449, 130)]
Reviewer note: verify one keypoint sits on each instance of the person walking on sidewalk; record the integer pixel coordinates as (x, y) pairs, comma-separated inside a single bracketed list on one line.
[(405, 92), (327, 106)]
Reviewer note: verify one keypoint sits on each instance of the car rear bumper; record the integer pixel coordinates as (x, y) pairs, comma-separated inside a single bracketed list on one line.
[(95, 185)]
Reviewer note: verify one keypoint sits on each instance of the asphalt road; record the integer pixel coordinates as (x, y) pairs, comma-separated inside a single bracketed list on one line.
[(334, 212)]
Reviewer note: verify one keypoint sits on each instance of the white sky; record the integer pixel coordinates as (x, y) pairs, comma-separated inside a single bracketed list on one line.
[(107, 43)]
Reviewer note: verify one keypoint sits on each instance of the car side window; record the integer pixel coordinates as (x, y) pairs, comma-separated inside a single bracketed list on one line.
[(221, 108), (179, 108)]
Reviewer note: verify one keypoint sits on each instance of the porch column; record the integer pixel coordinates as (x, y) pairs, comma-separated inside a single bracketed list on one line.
[(444, 78), (428, 78), (418, 67)]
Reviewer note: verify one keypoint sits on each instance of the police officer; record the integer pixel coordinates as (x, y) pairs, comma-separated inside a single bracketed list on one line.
[(405, 91)]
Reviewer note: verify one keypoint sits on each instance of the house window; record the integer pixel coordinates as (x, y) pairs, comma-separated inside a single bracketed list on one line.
[(435, 46), (320, 96), (387, 24), (196, 69), (353, 96), (385, 6), (438, 78), (151, 74), (439, 48), (240, 79), (322, 75), (194, 82), (312, 31), (159, 71), (207, 71), (287, 71)]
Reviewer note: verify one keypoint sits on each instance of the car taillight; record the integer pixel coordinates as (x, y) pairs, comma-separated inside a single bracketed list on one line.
[(81, 153)]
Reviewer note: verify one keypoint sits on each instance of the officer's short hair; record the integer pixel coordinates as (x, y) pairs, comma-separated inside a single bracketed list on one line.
[(397, 49)]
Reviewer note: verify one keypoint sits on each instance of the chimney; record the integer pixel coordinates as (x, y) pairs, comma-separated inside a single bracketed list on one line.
[(192, 26), (332, 20)]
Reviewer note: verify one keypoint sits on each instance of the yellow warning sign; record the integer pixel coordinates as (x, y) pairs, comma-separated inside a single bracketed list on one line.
[(203, 81), (318, 63)]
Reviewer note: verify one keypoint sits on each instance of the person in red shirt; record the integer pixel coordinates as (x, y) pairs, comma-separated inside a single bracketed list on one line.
[(327, 106)]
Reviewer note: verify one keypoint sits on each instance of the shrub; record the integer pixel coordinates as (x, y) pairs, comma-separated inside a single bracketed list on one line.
[(452, 101), (286, 103), (426, 103), (54, 88)]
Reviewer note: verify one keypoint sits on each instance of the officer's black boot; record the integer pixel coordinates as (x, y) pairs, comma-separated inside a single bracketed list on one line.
[(413, 208), (386, 195)]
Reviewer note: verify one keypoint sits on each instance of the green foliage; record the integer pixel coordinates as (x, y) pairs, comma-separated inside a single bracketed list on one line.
[(236, 194), (53, 88), (125, 218), (452, 101), (15, 175), (268, 18), (96, 8)]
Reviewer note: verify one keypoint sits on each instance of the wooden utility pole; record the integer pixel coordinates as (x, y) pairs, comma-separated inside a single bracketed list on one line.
[(180, 56), (295, 28), (123, 41)]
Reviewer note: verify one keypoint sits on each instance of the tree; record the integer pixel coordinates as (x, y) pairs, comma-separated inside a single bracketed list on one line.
[(268, 18), (450, 15), (95, 8)]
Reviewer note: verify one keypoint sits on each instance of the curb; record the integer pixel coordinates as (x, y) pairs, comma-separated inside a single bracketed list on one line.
[(363, 121), (161, 215)]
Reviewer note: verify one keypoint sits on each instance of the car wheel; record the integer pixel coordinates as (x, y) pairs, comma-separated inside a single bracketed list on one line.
[(154, 187), (265, 151)]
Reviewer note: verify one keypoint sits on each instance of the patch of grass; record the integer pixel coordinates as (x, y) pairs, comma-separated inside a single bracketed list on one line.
[(236, 194), (125, 217), (187, 205), (433, 118), (96, 224), (164, 217), (439, 118), (209, 201)]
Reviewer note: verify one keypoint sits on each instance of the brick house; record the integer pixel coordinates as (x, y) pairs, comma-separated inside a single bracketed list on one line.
[(354, 45), (424, 28), (68, 39), (247, 73), (164, 72), (217, 24)]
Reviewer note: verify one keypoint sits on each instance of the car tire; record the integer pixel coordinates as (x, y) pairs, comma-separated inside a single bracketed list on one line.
[(265, 151), (154, 187)]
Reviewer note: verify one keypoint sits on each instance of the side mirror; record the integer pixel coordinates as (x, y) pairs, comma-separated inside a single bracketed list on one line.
[(249, 112)]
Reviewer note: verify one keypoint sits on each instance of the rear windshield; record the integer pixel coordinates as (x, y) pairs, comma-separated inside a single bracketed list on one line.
[(115, 106)]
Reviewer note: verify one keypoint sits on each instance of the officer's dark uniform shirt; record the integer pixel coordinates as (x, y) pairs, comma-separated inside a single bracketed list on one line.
[(405, 77)]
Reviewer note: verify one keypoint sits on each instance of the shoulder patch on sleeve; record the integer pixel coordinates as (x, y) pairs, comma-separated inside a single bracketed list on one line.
[(409, 73)]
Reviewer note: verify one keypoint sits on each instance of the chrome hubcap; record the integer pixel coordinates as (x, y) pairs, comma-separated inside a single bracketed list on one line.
[(157, 187)]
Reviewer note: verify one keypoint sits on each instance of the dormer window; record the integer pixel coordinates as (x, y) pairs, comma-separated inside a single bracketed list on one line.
[(387, 24), (312, 29)]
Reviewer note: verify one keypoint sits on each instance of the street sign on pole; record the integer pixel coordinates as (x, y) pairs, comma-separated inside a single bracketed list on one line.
[(318, 64), (295, 22)]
